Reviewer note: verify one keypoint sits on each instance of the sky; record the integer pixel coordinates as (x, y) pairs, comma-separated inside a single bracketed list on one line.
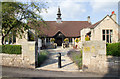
[(79, 10)]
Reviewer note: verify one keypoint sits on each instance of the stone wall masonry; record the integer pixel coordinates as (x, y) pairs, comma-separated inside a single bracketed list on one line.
[(12, 60), (106, 24), (83, 33), (95, 59), (94, 56), (113, 64), (28, 58), (15, 60)]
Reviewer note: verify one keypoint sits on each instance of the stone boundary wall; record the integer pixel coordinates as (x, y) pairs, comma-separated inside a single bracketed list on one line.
[(113, 63), (28, 58), (94, 56), (95, 59), (14, 60)]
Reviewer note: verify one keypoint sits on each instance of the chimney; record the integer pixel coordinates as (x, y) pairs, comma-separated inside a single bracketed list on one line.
[(113, 16), (89, 19)]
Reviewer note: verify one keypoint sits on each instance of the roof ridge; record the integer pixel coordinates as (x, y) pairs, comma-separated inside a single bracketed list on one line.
[(95, 24)]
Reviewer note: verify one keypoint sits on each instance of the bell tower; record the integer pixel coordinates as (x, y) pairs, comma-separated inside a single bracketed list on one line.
[(59, 19)]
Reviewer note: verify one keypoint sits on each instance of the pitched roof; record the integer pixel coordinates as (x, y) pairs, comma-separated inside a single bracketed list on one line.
[(94, 25), (68, 28)]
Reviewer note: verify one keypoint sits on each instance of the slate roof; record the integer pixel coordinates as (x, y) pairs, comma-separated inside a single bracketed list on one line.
[(68, 28)]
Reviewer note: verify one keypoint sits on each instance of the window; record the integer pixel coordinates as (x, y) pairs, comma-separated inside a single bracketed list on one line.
[(107, 35)]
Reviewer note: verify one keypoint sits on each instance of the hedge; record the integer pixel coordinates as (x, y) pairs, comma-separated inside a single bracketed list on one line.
[(11, 49), (113, 49)]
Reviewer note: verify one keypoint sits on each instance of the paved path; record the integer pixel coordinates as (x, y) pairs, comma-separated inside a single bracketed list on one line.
[(52, 62)]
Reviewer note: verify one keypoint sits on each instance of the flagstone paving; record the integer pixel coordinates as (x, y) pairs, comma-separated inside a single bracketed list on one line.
[(52, 62)]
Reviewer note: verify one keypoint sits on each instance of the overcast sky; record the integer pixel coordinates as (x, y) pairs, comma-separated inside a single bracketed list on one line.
[(79, 10)]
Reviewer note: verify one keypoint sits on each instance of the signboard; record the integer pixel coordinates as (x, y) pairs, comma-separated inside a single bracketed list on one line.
[(39, 42)]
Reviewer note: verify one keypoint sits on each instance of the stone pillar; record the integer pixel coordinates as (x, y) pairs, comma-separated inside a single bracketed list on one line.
[(45, 41), (73, 41), (94, 56), (29, 54), (82, 35)]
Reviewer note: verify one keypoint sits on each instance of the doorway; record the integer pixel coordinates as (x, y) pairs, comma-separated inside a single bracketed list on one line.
[(58, 41)]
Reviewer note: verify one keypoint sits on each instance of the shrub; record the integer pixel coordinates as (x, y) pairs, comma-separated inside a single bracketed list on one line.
[(52, 40), (76, 57), (11, 49), (77, 40), (113, 49), (87, 38), (42, 57), (66, 39)]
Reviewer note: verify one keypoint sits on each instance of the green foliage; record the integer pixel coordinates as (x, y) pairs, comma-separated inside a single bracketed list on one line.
[(42, 57), (81, 52), (31, 36), (52, 40), (113, 49), (66, 39), (87, 38), (11, 49), (76, 57), (77, 40), (16, 15)]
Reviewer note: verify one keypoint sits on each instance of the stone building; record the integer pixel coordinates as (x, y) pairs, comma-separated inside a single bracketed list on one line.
[(105, 30)]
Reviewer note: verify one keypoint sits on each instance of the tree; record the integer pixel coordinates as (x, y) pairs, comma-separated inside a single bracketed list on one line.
[(16, 15)]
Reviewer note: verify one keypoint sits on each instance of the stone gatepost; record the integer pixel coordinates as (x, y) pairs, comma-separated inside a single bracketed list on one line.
[(29, 51), (29, 54), (94, 56)]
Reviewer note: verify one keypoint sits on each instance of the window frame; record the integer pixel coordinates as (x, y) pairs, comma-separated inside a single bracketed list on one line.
[(107, 33)]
